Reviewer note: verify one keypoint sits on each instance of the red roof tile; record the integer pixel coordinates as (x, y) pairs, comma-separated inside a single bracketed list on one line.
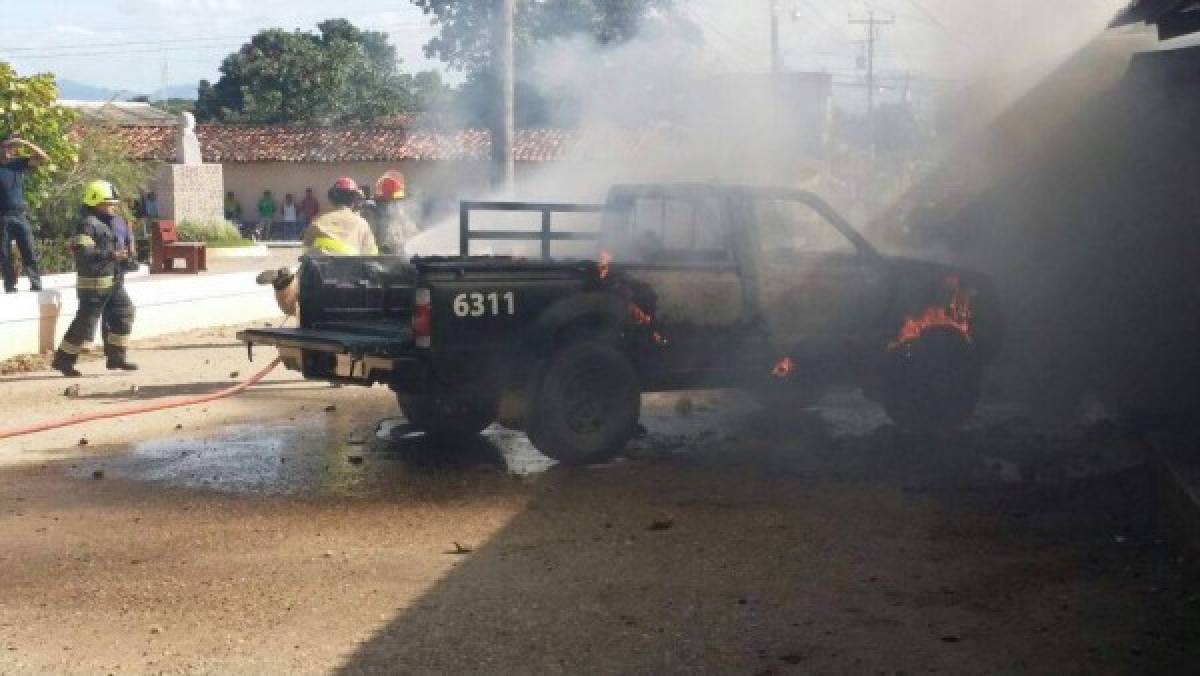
[(235, 144)]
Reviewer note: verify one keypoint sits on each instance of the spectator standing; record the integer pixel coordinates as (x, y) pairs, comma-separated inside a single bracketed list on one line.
[(309, 207), (233, 209), (266, 214), (150, 207), (150, 213), (14, 226), (290, 217)]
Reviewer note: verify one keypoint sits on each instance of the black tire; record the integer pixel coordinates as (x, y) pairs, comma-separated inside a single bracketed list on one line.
[(443, 419), (587, 404), (933, 384)]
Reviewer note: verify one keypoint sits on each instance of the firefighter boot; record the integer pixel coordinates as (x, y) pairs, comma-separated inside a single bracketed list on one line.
[(118, 362), (64, 363)]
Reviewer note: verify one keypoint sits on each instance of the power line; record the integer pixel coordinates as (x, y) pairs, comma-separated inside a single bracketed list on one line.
[(821, 16), (122, 52), (739, 51), (89, 45), (872, 24), (225, 43), (929, 16)]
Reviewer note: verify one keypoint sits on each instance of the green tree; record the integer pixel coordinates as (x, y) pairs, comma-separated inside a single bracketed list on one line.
[(431, 91), (28, 109), (464, 40), (339, 75), (101, 155)]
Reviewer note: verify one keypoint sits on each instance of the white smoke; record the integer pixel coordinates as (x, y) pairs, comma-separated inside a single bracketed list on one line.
[(689, 98)]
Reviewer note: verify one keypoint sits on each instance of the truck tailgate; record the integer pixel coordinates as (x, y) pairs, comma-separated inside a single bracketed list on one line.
[(379, 339)]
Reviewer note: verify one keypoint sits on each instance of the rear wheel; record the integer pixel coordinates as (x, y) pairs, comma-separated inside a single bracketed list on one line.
[(587, 404), (447, 419), (933, 383)]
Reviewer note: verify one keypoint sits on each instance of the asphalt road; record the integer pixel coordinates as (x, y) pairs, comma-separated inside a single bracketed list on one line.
[(301, 528)]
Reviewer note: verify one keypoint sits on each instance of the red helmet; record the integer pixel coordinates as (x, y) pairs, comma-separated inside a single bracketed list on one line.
[(390, 186), (346, 183)]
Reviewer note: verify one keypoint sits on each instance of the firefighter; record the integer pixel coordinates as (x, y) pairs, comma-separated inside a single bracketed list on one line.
[(389, 219), (102, 257), (341, 231)]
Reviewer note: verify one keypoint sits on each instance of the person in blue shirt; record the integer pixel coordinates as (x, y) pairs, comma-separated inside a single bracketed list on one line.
[(14, 226)]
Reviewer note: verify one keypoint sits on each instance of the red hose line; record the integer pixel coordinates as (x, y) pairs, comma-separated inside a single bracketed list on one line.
[(146, 407)]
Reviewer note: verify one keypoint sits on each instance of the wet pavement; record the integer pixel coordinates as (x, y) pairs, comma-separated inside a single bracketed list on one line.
[(339, 454), (308, 457)]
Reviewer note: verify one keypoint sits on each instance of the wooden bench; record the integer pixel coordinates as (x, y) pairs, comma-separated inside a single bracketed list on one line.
[(166, 249)]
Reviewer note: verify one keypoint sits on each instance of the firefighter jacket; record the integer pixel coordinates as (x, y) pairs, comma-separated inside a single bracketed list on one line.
[(95, 247), (340, 232)]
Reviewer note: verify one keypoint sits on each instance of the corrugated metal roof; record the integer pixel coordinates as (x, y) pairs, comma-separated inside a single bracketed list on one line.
[(120, 113)]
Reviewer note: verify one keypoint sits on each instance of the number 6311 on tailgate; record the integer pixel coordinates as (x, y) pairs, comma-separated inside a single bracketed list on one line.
[(491, 304)]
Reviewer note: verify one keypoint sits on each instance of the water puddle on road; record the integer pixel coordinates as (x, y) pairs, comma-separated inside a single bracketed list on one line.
[(322, 458)]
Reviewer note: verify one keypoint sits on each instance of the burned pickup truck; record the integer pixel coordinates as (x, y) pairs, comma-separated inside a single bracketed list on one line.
[(674, 287)]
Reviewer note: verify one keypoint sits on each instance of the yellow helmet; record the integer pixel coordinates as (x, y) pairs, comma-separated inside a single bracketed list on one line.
[(98, 192)]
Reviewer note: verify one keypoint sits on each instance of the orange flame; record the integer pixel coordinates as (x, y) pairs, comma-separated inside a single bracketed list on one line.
[(639, 315), (602, 267), (784, 368), (643, 318), (956, 315)]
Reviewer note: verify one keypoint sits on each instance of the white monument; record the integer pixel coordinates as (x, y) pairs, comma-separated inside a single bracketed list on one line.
[(190, 190), (187, 146)]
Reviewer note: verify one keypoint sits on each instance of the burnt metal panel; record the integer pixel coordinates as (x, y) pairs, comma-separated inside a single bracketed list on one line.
[(1172, 17), (1178, 23)]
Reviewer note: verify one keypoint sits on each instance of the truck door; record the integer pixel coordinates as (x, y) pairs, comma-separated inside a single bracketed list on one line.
[(810, 279), (679, 245)]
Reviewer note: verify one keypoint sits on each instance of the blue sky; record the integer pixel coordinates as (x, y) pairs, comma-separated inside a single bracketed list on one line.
[(124, 44)]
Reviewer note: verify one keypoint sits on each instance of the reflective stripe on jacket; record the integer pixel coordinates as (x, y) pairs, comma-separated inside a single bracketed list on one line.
[(95, 245), (340, 232)]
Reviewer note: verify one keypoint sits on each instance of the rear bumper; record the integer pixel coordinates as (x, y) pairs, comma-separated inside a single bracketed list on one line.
[(343, 357)]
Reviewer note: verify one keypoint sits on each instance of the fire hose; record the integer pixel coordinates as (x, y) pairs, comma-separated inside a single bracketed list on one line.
[(146, 407)]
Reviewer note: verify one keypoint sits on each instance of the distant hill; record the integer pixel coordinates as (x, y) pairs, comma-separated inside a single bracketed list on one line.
[(70, 89), (179, 91)]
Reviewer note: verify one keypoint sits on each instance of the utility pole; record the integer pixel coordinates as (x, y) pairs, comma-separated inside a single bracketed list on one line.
[(872, 25), (773, 86), (504, 132)]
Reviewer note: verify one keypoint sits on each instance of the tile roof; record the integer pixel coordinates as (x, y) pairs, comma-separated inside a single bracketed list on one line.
[(235, 144)]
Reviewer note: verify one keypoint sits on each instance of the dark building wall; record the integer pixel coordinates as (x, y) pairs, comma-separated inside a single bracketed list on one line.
[(1095, 243)]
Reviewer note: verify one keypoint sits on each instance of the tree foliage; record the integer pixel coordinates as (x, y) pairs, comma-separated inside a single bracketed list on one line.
[(101, 155), (338, 75), (28, 108), (464, 40)]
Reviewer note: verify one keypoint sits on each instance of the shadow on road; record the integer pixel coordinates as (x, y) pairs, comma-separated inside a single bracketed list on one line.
[(757, 553)]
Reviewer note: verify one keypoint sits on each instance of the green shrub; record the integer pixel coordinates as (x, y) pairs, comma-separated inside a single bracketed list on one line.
[(216, 234), (54, 256)]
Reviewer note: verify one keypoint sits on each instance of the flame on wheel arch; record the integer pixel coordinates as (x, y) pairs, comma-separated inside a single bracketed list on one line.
[(956, 315)]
